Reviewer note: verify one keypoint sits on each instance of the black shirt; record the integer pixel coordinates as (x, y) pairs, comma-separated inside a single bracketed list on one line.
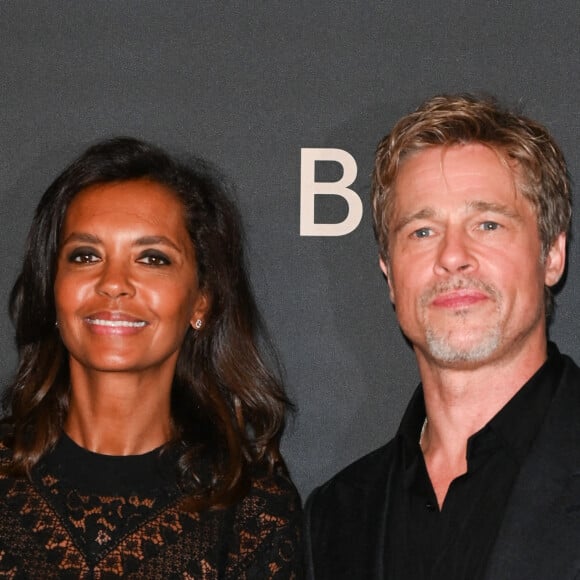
[(85, 516), (455, 542)]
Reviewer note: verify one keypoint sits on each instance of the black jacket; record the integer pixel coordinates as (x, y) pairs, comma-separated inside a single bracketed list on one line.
[(539, 538)]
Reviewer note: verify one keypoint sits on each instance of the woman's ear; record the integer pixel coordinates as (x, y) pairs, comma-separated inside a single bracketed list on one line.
[(200, 311)]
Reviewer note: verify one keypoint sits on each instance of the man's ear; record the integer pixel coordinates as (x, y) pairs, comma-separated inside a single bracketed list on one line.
[(555, 261), (387, 272)]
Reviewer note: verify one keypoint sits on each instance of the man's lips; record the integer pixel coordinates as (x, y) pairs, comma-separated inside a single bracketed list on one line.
[(459, 298)]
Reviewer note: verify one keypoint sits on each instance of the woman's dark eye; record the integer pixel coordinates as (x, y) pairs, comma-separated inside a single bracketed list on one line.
[(83, 256), (154, 259)]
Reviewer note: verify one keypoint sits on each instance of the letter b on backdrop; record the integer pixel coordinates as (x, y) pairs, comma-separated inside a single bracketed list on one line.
[(310, 188)]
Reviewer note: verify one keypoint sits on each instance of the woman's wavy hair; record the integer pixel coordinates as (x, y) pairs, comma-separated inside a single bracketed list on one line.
[(228, 405), (446, 120)]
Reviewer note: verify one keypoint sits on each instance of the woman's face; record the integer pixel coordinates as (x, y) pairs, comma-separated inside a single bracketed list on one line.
[(126, 285)]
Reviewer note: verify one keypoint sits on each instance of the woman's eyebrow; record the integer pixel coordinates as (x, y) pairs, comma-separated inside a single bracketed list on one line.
[(82, 237), (156, 241), (142, 241)]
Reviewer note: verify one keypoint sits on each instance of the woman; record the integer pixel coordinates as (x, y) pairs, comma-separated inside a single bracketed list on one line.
[(142, 429)]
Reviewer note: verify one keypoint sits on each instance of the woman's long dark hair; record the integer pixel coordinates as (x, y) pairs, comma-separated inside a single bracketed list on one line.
[(228, 407)]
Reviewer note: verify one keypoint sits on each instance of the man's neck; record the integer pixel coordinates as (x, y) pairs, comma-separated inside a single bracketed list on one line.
[(460, 401)]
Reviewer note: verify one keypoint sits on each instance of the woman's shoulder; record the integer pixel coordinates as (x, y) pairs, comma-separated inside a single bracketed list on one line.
[(268, 521), (271, 503), (273, 488), (5, 450)]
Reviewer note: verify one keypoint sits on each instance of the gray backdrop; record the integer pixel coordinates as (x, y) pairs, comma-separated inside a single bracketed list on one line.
[(248, 87)]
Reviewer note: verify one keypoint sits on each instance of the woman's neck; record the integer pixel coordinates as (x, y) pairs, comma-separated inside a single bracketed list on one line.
[(119, 413)]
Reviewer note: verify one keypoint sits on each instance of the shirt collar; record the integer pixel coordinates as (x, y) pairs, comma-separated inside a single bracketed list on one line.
[(514, 426), (519, 421)]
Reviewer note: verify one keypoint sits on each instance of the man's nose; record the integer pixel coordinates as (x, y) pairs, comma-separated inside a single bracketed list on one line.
[(455, 253)]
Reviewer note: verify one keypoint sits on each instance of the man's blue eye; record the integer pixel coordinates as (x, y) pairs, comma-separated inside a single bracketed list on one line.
[(422, 233)]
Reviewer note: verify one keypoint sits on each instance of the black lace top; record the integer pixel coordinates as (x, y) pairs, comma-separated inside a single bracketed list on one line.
[(86, 515)]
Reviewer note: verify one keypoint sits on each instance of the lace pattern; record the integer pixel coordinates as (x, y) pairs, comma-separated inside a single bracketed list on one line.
[(52, 529)]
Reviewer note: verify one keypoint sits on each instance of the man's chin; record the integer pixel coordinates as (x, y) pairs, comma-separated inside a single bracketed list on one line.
[(460, 352)]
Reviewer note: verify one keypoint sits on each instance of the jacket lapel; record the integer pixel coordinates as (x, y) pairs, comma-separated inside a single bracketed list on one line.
[(540, 534)]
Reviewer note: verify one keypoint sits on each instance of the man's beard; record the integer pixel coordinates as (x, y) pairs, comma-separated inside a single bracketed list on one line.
[(478, 348), (442, 349)]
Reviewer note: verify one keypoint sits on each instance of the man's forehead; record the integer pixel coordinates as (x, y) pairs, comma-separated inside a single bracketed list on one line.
[(473, 177), (465, 164)]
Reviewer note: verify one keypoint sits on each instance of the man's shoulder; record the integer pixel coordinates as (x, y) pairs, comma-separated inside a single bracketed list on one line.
[(344, 516), (358, 480), (571, 370), (567, 395)]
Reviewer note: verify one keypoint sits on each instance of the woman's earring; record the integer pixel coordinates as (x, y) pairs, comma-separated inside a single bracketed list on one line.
[(198, 324)]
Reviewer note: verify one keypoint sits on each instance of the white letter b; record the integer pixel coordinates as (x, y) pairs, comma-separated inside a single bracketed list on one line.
[(309, 188)]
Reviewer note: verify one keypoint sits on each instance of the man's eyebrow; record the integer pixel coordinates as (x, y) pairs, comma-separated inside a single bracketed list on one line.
[(483, 206), (425, 213), (473, 206)]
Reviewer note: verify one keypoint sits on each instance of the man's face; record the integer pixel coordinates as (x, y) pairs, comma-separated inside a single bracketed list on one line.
[(466, 271)]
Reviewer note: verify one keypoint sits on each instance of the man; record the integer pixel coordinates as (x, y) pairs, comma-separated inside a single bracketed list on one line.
[(471, 207)]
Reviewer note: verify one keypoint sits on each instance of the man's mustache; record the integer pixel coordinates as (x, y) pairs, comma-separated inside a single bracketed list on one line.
[(459, 284)]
